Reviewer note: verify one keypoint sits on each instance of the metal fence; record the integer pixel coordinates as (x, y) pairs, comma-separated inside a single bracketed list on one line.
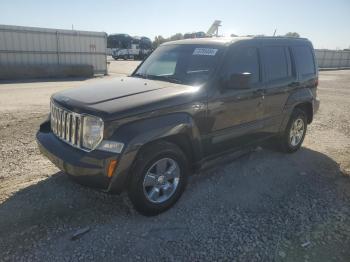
[(109, 51), (40, 46), (28, 46), (332, 58)]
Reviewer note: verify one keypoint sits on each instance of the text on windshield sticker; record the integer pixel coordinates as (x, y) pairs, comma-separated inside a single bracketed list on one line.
[(205, 51)]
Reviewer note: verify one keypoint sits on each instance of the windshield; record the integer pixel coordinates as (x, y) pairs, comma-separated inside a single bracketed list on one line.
[(185, 64)]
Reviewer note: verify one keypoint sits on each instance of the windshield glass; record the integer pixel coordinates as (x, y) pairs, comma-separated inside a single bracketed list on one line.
[(185, 64)]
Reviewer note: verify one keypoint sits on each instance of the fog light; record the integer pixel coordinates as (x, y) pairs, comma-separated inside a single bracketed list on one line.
[(111, 168), (111, 146)]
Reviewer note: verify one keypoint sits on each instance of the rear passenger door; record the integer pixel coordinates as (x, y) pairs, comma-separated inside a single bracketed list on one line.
[(279, 79)]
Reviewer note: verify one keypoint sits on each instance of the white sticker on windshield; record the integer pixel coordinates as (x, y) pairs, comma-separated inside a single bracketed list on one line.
[(205, 51)]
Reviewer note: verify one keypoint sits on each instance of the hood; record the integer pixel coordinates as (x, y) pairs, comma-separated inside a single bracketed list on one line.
[(120, 95)]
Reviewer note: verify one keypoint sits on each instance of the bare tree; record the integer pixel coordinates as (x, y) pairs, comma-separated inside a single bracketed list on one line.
[(292, 34)]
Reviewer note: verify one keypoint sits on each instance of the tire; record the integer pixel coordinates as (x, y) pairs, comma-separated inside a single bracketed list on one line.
[(145, 197), (287, 143)]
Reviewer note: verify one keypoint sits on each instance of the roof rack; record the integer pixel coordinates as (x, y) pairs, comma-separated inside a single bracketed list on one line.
[(280, 37)]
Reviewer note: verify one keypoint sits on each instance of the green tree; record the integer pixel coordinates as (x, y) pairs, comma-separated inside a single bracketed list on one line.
[(158, 40), (175, 37), (292, 34)]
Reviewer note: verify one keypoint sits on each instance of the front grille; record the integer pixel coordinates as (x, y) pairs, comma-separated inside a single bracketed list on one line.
[(66, 125)]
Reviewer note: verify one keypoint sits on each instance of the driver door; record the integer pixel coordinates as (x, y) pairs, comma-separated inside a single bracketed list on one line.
[(235, 115)]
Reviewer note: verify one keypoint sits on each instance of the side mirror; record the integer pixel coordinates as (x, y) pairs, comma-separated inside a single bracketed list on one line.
[(238, 81)]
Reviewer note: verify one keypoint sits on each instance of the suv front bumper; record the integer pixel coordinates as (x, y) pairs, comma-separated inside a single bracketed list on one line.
[(87, 168)]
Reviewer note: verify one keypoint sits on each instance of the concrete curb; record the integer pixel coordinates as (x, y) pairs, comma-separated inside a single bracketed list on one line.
[(333, 69)]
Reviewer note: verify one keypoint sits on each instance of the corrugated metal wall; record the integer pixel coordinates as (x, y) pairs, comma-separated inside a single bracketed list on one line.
[(332, 58), (40, 46)]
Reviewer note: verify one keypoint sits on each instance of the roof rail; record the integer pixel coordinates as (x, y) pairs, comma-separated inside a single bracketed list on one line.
[(280, 37)]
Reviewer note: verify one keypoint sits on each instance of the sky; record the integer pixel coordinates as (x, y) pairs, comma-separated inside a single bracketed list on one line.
[(325, 23)]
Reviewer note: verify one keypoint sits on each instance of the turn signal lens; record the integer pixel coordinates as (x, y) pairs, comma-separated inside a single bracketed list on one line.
[(111, 168)]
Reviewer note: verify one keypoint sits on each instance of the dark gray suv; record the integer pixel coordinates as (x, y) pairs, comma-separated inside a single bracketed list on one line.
[(189, 102)]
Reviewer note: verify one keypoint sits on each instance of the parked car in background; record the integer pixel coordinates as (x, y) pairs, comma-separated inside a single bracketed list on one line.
[(189, 102), (126, 47)]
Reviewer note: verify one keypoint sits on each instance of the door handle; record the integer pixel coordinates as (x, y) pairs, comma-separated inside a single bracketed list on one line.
[(259, 92), (294, 84)]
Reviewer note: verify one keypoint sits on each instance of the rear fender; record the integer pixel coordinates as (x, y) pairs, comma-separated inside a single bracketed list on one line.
[(299, 96)]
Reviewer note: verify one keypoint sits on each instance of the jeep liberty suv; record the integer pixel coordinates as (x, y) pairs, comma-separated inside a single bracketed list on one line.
[(189, 102)]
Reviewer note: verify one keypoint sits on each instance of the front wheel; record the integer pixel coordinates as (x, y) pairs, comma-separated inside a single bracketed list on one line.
[(159, 178), (294, 134)]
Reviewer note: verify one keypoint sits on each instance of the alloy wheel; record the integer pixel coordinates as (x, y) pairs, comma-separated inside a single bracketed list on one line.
[(161, 180), (296, 132)]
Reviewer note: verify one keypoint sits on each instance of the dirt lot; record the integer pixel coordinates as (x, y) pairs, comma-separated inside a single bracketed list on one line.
[(264, 206)]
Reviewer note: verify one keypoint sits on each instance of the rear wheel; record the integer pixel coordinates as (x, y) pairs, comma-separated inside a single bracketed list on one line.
[(294, 134), (159, 178)]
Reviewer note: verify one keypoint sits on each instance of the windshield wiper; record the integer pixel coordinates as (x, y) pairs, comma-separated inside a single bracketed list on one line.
[(160, 77), (140, 75), (173, 79), (165, 78)]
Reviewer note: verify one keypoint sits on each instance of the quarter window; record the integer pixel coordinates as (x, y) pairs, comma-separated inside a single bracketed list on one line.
[(304, 59), (277, 63)]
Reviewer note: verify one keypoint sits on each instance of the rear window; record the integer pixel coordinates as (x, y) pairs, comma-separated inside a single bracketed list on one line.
[(304, 59), (277, 63)]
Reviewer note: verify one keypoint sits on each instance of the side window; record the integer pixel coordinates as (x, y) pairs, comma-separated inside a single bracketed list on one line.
[(277, 62), (242, 60), (304, 59)]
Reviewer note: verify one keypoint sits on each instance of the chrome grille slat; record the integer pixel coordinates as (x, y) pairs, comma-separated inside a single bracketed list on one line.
[(56, 120), (66, 125), (52, 118), (79, 132), (69, 116), (73, 130), (60, 122)]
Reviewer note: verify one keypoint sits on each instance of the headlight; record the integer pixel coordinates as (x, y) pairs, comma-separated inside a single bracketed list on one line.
[(92, 131)]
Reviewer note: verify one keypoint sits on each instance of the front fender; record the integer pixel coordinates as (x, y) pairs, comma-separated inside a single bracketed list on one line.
[(136, 134)]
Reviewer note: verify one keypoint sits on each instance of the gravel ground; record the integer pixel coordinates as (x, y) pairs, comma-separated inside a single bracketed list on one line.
[(264, 206)]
